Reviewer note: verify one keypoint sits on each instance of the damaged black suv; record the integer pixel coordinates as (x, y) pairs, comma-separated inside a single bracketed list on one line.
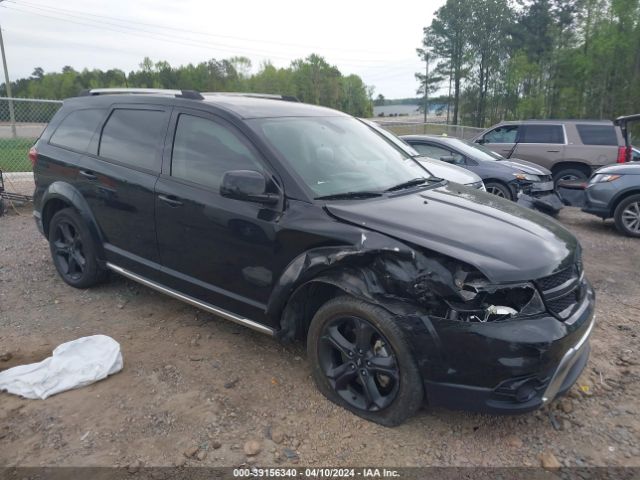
[(304, 223)]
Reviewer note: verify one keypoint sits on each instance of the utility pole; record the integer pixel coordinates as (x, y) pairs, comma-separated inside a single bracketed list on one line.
[(426, 85), (12, 114)]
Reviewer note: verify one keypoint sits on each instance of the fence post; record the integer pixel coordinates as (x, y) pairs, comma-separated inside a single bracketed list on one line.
[(12, 114)]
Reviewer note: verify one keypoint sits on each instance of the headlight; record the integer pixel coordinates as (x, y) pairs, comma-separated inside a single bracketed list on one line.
[(527, 177), (602, 177), (485, 302), (477, 185)]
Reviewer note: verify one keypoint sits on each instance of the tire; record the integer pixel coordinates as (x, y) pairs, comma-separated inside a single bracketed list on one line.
[(627, 216), (499, 189), (569, 174), (73, 250), (353, 360)]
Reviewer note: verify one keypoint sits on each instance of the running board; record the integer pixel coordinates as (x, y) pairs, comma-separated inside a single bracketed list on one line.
[(196, 303)]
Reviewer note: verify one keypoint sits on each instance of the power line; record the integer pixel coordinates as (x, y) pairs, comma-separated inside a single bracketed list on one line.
[(127, 30), (167, 27)]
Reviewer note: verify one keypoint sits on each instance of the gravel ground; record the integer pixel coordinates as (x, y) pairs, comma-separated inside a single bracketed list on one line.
[(198, 390)]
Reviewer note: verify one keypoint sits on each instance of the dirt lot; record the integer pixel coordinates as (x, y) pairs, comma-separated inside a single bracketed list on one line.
[(197, 385)]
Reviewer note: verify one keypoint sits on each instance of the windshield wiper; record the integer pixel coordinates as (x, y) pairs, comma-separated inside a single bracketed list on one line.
[(349, 195), (407, 184)]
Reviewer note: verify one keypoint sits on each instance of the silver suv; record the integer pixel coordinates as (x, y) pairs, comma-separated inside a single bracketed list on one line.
[(571, 149)]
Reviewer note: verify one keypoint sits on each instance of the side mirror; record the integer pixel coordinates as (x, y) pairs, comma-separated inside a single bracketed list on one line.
[(480, 140), (448, 158), (247, 185)]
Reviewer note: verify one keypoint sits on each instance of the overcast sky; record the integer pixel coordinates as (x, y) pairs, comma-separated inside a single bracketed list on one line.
[(375, 40)]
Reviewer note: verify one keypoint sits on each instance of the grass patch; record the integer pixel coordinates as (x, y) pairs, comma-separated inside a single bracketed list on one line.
[(14, 154)]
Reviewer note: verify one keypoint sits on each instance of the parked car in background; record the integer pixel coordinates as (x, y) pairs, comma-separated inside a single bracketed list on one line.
[(571, 149), (614, 191), (509, 179), (437, 168), (635, 154), (302, 223)]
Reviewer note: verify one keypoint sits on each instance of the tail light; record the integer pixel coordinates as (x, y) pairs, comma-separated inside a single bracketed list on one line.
[(624, 153), (33, 156)]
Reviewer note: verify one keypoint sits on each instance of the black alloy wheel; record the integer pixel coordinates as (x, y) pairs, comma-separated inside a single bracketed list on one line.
[(359, 363), (68, 251), (362, 360), (73, 250)]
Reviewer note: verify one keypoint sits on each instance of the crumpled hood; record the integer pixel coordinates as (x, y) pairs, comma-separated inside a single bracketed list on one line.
[(504, 241), (525, 166)]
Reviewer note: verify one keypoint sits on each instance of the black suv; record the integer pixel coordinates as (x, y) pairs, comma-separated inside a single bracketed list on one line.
[(304, 223)]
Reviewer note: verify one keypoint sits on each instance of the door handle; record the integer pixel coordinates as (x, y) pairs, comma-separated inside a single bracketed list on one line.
[(88, 174), (553, 151), (171, 200)]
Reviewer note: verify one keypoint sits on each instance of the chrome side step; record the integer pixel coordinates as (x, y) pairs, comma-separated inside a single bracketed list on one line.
[(196, 303)]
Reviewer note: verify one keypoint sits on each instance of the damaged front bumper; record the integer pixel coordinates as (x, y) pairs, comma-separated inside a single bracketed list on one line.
[(547, 202), (511, 366)]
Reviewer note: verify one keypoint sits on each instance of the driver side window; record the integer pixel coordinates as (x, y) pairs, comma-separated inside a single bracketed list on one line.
[(203, 150), (503, 134)]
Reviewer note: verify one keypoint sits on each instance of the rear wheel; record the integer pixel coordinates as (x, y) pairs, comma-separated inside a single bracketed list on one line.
[(627, 216), (361, 360), (499, 190), (73, 250)]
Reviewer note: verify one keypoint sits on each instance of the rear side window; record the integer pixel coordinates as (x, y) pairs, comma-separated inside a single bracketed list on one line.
[(597, 134), (542, 134), (133, 137), (77, 128), (203, 150)]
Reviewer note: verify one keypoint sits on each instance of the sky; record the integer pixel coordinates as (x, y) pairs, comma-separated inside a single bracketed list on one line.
[(372, 39)]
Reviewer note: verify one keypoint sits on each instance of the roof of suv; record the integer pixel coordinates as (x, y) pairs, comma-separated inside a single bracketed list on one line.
[(555, 121), (242, 105)]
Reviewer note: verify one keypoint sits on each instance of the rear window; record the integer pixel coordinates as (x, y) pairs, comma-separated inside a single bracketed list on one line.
[(133, 137), (542, 134), (77, 128), (597, 134)]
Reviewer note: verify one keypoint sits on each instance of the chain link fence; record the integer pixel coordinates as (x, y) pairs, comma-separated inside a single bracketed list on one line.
[(22, 120), (458, 131)]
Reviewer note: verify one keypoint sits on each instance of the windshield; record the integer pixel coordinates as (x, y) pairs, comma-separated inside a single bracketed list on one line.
[(473, 150), (338, 155)]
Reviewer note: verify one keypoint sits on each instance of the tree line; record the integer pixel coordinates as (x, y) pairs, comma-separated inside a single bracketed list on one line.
[(311, 80), (502, 59)]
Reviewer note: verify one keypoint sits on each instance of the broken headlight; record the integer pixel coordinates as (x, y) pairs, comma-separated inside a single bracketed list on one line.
[(482, 302)]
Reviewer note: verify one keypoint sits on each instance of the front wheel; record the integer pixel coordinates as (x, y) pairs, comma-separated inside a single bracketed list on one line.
[(499, 190), (627, 216), (361, 361)]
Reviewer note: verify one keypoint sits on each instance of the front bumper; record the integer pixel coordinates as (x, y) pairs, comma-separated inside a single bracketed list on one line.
[(513, 366), (597, 198)]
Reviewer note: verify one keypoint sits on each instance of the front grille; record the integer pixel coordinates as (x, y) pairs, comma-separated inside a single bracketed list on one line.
[(560, 305), (561, 291), (555, 280)]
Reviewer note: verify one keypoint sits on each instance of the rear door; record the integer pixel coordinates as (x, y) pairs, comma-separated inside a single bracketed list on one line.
[(119, 181), (214, 248), (543, 144)]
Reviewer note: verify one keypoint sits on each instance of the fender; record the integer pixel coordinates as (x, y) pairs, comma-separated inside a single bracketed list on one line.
[(70, 195), (622, 193)]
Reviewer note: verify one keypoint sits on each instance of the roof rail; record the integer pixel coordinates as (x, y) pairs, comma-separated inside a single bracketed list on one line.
[(191, 94), (270, 96)]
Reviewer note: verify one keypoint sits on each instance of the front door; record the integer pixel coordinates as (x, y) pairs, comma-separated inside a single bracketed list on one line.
[(217, 249)]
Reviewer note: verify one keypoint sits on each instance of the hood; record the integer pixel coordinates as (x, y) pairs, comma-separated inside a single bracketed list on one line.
[(621, 169), (504, 241), (525, 167), (448, 172)]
